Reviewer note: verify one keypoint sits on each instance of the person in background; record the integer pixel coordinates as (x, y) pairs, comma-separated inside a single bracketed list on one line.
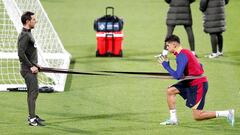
[(214, 23), (179, 13)]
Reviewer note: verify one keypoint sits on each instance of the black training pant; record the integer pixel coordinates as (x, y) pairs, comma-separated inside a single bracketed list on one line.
[(32, 91), (217, 42), (170, 29)]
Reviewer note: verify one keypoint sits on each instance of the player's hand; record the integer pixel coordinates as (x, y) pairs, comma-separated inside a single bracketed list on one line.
[(34, 69), (161, 58)]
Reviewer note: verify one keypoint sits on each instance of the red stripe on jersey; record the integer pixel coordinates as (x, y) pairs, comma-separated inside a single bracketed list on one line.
[(199, 92)]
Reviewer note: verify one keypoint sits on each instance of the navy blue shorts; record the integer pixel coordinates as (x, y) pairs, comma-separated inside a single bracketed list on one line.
[(194, 95)]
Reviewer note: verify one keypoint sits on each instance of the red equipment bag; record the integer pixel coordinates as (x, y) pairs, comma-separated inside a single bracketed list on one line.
[(109, 36), (109, 44)]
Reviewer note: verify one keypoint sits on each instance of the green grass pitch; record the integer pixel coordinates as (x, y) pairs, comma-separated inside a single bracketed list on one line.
[(97, 105)]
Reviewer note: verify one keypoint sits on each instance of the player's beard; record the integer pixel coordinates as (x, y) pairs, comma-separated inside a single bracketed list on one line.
[(32, 27)]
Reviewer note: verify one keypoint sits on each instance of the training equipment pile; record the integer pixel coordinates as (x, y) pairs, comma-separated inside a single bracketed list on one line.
[(109, 34)]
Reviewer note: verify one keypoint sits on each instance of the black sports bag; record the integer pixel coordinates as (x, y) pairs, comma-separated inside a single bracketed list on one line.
[(108, 23)]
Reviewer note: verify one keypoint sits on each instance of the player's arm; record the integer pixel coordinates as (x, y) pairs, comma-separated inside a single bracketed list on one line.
[(182, 61)]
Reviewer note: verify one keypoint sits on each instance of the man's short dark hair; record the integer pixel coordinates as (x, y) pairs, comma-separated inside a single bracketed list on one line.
[(173, 38), (26, 16)]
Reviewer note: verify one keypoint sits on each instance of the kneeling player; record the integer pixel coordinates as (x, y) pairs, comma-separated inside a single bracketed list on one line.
[(193, 91)]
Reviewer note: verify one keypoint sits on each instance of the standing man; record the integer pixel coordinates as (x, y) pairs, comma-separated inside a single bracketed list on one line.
[(27, 53), (179, 13), (214, 23), (193, 91)]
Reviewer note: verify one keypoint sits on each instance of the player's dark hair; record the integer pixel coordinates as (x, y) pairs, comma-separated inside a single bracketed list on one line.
[(26, 16), (173, 38)]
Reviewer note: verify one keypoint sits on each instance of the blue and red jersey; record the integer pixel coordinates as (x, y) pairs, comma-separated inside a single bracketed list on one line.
[(187, 65)]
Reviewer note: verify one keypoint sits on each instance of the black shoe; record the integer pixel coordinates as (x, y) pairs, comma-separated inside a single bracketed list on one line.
[(35, 122), (39, 119)]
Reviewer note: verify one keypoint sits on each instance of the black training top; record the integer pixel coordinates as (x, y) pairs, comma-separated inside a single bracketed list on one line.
[(27, 51)]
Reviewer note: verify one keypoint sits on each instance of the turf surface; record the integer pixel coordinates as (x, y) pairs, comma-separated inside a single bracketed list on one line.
[(127, 106)]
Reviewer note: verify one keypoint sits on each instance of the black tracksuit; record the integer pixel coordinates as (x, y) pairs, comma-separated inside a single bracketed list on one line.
[(27, 53)]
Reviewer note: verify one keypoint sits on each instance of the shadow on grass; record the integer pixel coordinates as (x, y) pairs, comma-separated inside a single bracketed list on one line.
[(232, 53), (69, 76), (226, 62), (68, 129), (67, 117), (217, 125), (229, 58), (120, 117)]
